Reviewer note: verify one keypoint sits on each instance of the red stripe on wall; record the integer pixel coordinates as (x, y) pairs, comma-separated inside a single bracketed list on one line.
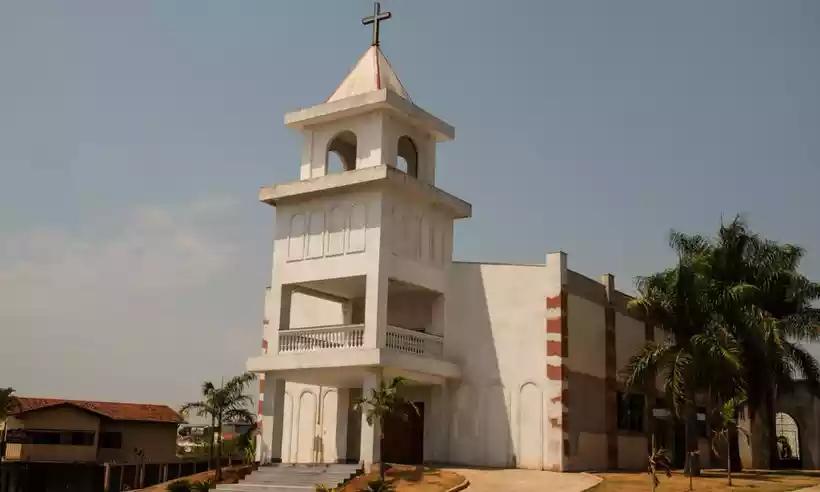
[(554, 372), (553, 348), (554, 302), (554, 325)]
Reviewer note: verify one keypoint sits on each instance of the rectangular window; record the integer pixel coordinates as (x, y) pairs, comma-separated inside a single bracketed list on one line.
[(43, 437), (111, 440), (66, 438), (77, 438), (630, 412)]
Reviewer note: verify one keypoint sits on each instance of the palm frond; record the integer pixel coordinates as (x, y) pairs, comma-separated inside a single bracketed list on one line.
[(804, 363), (645, 363)]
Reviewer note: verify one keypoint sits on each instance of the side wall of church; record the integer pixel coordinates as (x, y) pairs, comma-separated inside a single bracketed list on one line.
[(495, 332), (600, 339), (585, 368)]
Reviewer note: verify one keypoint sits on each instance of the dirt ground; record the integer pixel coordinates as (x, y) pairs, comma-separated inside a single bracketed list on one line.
[(229, 475), (712, 480), (517, 480), (408, 478)]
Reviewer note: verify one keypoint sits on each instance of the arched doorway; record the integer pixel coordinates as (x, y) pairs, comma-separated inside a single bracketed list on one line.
[(787, 440)]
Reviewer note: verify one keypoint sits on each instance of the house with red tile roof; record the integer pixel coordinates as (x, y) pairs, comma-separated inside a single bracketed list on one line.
[(78, 441)]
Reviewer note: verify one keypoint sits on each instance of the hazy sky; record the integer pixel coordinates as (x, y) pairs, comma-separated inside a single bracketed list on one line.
[(134, 136)]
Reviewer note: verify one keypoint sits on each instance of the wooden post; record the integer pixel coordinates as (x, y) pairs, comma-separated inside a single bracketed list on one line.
[(107, 478)]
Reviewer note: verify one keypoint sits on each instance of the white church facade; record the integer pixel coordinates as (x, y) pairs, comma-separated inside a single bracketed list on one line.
[(510, 365), (364, 287)]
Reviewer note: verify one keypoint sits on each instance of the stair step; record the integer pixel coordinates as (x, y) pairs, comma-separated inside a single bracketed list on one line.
[(293, 477)]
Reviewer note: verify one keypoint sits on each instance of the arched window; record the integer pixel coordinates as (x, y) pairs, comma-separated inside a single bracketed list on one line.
[(341, 153), (408, 157), (788, 438)]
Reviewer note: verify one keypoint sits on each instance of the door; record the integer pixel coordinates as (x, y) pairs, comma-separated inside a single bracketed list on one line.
[(404, 439)]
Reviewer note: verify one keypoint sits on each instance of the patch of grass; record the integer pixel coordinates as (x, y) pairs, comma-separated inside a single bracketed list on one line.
[(409, 478), (711, 480)]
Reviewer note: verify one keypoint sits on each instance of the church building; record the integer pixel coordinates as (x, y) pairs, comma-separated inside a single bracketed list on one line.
[(510, 365)]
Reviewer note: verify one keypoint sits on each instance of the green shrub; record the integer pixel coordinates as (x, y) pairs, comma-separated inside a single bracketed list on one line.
[(179, 486), (378, 486), (202, 486), (320, 487)]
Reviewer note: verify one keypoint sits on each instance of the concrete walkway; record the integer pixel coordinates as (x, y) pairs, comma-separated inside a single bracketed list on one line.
[(494, 480)]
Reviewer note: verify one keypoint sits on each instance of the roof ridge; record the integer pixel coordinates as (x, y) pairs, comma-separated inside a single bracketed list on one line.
[(74, 400), (372, 72)]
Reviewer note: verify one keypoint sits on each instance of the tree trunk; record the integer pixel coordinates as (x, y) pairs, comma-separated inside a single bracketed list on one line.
[(381, 454), (211, 445), (729, 457), (734, 451), (218, 475), (771, 434), (692, 466)]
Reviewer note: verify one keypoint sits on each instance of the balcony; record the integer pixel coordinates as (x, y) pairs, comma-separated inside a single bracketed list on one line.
[(414, 342), (323, 338)]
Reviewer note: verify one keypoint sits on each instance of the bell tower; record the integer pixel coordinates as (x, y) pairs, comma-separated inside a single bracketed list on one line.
[(372, 240)]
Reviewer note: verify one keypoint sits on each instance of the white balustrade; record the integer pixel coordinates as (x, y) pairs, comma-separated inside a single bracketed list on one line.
[(414, 342), (321, 338), (352, 336)]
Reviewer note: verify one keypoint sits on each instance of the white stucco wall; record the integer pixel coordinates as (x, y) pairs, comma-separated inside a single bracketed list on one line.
[(308, 311), (632, 452), (630, 338), (495, 331), (587, 371)]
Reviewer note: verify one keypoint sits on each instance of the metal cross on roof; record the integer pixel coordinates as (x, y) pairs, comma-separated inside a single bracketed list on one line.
[(374, 19)]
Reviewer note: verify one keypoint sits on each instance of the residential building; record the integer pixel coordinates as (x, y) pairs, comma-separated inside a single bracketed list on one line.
[(55, 444)]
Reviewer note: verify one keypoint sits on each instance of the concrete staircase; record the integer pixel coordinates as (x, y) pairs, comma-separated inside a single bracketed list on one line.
[(292, 478)]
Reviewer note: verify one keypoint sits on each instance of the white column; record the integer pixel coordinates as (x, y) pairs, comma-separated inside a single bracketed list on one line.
[(370, 450), (272, 400), (439, 316), (375, 308), (341, 423), (440, 421), (278, 314)]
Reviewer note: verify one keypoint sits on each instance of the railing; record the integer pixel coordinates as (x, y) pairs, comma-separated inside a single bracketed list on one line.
[(352, 336), (321, 338), (414, 342)]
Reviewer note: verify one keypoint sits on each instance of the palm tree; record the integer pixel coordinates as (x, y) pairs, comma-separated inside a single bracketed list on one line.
[(383, 402), (225, 403), (757, 294), (772, 322), (698, 346)]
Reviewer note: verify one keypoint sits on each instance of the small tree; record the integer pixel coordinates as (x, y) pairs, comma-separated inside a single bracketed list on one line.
[(658, 460), (8, 405), (246, 443), (727, 423), (226, 403), (382, 402)]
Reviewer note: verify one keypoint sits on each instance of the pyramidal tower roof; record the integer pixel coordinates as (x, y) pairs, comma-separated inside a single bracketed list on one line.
[(371, 73)]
